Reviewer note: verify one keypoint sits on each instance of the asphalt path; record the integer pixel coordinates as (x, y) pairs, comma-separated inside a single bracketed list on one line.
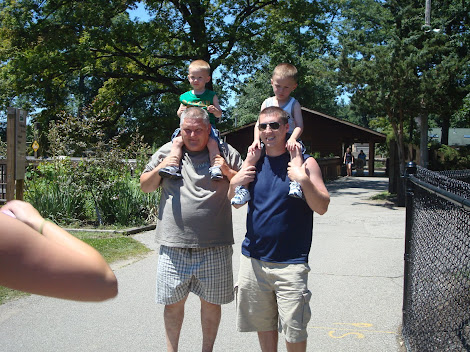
[(356, 281)]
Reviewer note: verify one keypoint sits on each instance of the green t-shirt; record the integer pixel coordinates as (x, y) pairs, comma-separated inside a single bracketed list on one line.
[(203, 101)]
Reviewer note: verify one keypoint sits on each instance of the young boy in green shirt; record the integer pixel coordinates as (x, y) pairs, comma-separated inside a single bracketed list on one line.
[(198, 76)]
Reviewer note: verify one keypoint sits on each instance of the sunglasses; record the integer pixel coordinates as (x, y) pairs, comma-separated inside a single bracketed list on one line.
[(272, 125)]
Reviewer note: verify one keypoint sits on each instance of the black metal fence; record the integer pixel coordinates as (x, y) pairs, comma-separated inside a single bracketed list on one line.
[(436, 302)]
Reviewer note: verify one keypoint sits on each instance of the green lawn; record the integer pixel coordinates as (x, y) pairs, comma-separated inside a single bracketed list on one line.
[(113, 247), (384, 196)]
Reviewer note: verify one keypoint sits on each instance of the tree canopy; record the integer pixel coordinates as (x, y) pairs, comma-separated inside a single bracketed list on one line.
[(91, 56), (395, 67), (62, 55)]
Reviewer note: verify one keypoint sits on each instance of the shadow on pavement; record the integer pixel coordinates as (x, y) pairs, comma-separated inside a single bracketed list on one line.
[(367, 183)]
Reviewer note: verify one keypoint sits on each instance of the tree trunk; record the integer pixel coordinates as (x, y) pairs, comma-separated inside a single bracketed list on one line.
[(398, 131), (445, 129), (423, 144)]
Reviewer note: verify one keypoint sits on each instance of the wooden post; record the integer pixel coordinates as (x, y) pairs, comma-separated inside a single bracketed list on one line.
[(20, 147), (19, 189), (11, 124), (16, 152), (371, 158)]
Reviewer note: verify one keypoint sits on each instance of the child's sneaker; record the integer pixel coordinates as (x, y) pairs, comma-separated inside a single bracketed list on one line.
[(216, 173), (242, 195), (295, 190), (172, 172)]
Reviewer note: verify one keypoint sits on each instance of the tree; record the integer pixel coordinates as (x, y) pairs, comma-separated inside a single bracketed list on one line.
[(375, 64), (298, 33), (64, 55), (461, 118), (396, 68)]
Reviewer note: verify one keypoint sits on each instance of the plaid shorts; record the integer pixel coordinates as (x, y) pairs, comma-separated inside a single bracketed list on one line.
[(207, 272)]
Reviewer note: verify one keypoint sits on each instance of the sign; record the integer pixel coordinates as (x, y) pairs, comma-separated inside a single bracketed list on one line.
[(35, 146)]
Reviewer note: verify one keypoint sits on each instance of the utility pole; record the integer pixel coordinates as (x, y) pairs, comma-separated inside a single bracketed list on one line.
[(427, 14)]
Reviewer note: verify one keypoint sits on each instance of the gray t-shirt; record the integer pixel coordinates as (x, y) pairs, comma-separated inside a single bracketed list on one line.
[(194, 211)]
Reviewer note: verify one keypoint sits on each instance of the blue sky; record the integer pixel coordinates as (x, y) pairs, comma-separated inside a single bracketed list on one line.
[(139, 12)]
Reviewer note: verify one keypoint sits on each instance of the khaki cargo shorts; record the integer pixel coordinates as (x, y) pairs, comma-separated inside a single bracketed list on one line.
[(273, 296)]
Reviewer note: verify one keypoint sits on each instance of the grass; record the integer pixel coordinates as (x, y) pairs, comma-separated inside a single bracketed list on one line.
[(113, 247), (383, 196), (7, 294), (117, 248)]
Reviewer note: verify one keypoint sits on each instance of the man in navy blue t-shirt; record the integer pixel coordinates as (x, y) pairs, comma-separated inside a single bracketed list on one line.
[(272, 289)]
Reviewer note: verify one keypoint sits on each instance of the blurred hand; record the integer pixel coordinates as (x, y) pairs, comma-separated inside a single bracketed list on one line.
[(181, 109), (25, 212)]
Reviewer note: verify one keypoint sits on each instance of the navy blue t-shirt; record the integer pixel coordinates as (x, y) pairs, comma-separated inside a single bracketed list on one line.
[(279, 227)]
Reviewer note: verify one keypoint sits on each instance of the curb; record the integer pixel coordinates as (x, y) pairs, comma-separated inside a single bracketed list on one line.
[(126, 232)]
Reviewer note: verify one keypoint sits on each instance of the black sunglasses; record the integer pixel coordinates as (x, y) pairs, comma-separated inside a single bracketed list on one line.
[(272, 125)]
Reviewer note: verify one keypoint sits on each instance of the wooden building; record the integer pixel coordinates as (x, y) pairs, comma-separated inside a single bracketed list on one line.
[(322, 133)]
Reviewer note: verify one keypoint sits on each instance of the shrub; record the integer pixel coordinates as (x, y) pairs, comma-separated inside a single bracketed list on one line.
[(56, 189), (444, 157), (89, 191), (100, 189), (123, 202)]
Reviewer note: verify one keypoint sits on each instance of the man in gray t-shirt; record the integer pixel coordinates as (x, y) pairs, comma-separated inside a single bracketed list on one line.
[(194, 229)]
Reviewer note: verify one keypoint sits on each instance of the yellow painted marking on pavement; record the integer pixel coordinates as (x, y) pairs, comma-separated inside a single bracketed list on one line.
[(357, 325), (357, 334), (334, 332)]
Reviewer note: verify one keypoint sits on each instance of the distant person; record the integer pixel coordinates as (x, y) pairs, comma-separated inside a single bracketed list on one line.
[(272, 288), (199, 74), (283, 81), (362, 156), (39, 257), (361, 162), (194, 229), (348, 160)]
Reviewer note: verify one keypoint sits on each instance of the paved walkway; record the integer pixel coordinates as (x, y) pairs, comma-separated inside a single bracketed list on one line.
[(356, 282)]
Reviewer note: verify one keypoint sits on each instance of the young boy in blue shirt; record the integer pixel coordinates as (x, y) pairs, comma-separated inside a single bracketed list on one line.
[(283, 81)]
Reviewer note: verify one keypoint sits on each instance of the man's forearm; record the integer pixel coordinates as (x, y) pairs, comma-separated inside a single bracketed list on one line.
[(150, 181), (313, 187), (317, 201)]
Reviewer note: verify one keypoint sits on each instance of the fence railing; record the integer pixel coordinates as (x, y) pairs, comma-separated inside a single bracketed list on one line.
[(436, 299)]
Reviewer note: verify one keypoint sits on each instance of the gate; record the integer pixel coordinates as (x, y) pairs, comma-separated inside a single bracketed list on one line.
[(436, 300)]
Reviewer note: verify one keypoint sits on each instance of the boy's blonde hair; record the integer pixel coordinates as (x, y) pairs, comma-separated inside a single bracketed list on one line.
[(284, 71), (199, 65)]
